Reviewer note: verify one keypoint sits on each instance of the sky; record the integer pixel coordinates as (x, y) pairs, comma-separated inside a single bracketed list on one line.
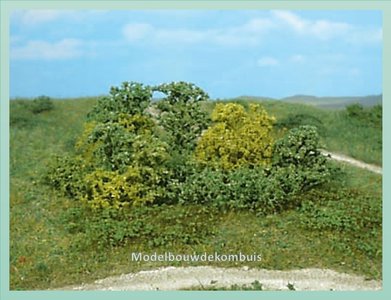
[(228, 53)]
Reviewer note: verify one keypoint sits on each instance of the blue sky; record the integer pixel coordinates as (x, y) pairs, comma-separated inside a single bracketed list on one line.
[(228, 53)]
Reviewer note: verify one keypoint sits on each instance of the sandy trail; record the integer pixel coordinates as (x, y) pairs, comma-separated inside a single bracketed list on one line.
[(352, 161), (177, 278)]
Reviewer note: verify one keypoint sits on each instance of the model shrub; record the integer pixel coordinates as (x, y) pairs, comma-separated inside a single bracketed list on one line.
[(237, 137), (299, 151), (134, 153), (181, 115)]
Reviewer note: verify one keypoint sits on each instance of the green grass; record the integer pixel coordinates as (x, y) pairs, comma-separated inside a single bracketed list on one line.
[(46, 254)]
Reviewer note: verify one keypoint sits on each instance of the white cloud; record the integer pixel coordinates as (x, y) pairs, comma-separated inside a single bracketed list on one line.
[(252, 32), (297, 58), (366, 36), (42, 50), (137, 31), (249, 33), (37, 16), (297, 23), (321, 29), (181, 36), (267, 61)]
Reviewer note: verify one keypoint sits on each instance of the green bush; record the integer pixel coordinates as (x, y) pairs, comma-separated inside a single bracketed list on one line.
[(130, 99), (181, 115), (355, 110), (121, 160), (299, 151), (66, 174), (117, 145), (41, 104), (260, 190), (365, 116), (23, 113), (376, 115), (118, 161)]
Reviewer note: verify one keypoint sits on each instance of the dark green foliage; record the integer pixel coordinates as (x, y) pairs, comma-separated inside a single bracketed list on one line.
[(182, 92), (365, 125), (376, 115), (296, 120), (24, 113), (156, 226), (355, 215), (355, 110), (115, 145), (299, 151), (291, 287), (264, 191), (20, 114), (299, 148), (181, 114), (365, 116), (129, 99), (364, 212), (41, 104)]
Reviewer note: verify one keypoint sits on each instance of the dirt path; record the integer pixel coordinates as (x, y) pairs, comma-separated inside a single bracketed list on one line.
[(173, 278), (353, 162)]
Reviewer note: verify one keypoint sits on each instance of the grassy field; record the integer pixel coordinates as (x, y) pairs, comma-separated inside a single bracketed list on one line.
[(47, 251), (334, 102)]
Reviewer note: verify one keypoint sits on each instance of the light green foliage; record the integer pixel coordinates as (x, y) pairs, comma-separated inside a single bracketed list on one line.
[(181, 115), (237, 138), (111, 189), (66, 175)]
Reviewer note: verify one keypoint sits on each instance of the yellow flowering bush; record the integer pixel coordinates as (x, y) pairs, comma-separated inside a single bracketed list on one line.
[(237, 137)]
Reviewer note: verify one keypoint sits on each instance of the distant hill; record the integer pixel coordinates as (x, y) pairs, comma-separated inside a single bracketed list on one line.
[(253, 98), (334, 102)]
